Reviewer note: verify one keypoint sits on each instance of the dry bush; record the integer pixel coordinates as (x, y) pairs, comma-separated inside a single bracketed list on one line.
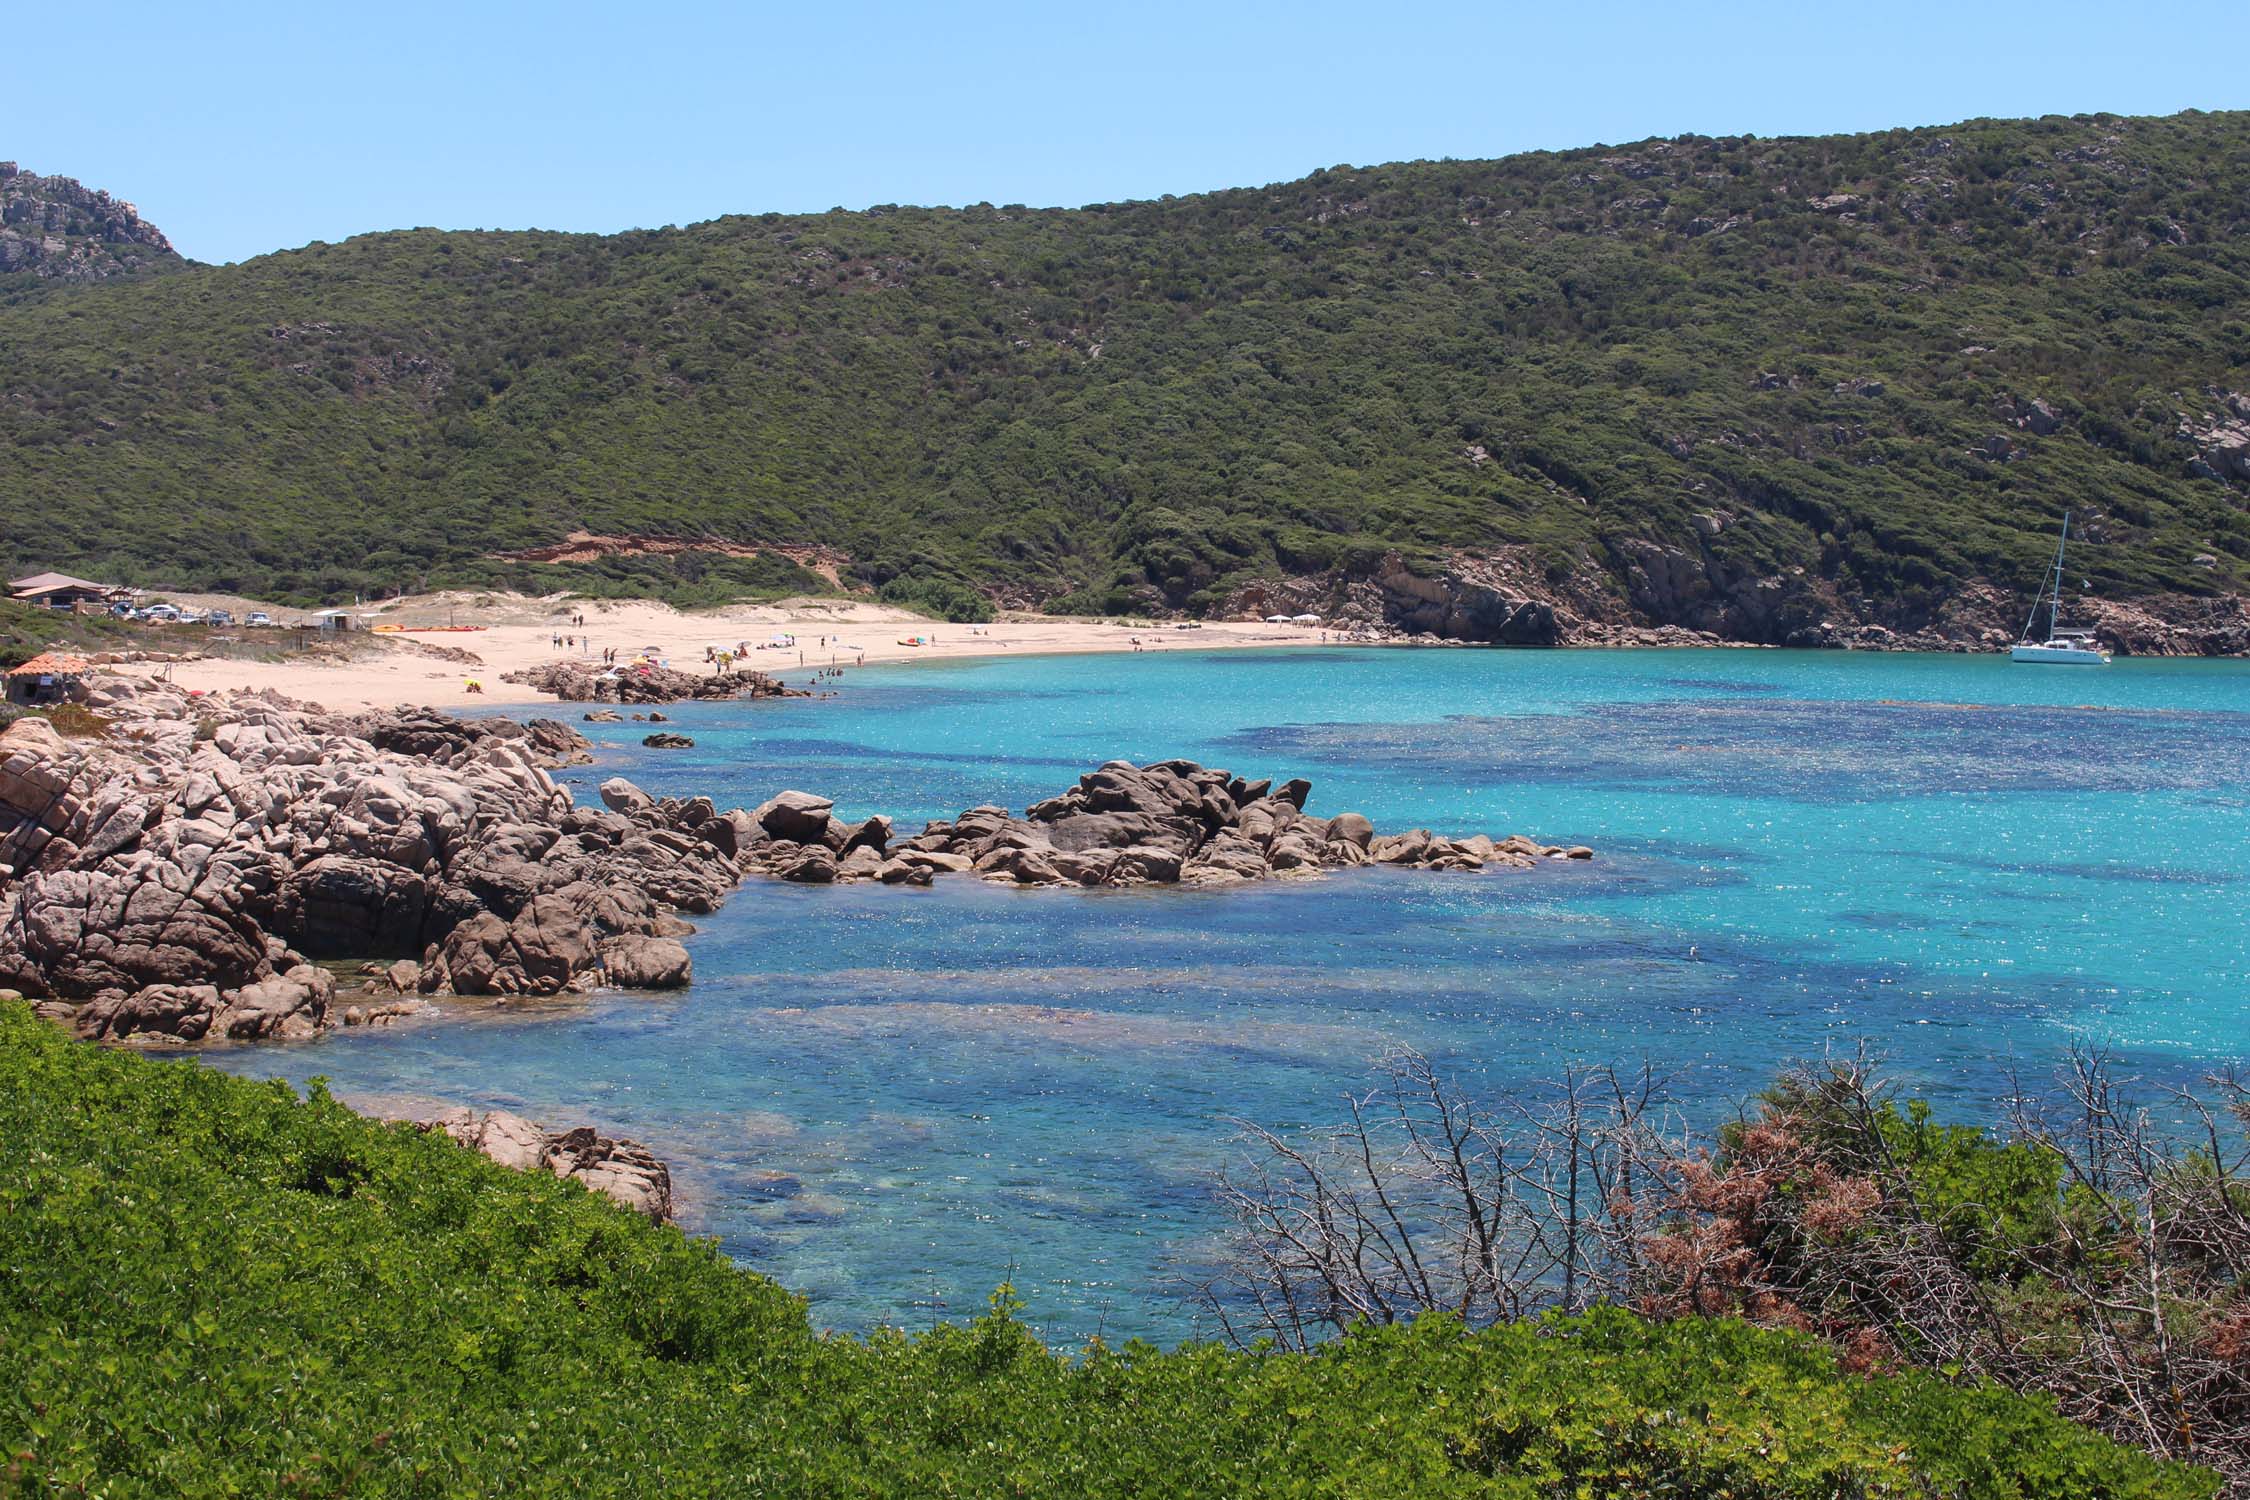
[(2096, 1249)]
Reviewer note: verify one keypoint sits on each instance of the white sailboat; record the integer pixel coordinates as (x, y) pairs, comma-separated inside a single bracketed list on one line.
[(2061, 647)]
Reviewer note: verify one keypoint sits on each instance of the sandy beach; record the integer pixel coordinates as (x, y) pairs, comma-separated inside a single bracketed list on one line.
[(385, 667)]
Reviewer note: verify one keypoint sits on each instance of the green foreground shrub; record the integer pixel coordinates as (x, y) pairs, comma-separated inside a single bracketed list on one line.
[(209, 1286)]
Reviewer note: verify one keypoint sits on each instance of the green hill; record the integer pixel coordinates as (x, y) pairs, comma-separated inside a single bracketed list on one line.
[(1733, 383), (213, 1288)]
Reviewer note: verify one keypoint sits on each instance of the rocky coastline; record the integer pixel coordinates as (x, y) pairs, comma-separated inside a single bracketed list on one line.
[(240, 866), (1168, 823), (201, 870), (617, 1165), (1655, 596), (585, 682)]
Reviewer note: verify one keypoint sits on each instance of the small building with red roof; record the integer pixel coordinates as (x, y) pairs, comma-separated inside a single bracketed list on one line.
[(49, 677)]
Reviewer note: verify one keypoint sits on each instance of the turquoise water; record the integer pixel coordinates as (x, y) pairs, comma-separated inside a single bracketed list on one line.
[(891, 1100)]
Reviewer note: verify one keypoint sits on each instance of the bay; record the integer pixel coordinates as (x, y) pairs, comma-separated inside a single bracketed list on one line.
[(891, 1100)]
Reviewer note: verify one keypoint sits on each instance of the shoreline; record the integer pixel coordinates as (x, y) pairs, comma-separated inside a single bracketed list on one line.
[(426, 651), (414, 664)]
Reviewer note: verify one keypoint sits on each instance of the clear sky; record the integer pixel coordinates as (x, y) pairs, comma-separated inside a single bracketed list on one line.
[(243, 128)]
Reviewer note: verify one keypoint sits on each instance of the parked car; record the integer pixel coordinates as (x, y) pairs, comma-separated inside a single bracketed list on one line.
[(162, 614), (257, 617), (219, 617)]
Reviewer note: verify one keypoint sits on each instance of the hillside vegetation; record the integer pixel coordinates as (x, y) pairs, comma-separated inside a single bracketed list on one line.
[(26, 630), (1642, 374), (215, 1288)]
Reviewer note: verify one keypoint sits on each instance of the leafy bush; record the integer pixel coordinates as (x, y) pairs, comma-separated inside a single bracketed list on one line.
[(215, 1287), (940, 597), (28, 629), (2091, 1255)]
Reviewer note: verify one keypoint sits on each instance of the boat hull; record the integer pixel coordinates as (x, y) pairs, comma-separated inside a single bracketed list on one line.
[(2060, 656)]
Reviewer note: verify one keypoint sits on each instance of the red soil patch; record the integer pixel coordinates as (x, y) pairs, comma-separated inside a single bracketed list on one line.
[(588, 546)]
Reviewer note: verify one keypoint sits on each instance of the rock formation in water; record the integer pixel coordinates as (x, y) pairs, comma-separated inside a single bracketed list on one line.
[(1168, 823), (585, 682), (179, 878)]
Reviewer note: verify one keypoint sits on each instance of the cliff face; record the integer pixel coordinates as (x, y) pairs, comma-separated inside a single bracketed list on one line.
[(57, 229), (1655, 595)]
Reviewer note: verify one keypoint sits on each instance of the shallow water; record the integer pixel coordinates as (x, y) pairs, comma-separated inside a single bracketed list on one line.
[(890, 1100)]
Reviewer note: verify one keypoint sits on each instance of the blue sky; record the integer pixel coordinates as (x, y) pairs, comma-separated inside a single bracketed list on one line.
[(241, 128)]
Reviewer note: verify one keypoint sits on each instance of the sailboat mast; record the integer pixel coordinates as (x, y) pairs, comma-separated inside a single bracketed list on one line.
[(2052, 594)]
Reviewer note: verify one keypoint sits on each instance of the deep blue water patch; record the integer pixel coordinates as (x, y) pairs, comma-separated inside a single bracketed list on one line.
[(1831, 751)]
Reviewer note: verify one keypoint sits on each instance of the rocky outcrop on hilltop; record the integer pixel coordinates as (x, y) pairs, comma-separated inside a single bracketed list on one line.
[(624, 1169), (55, 229), (583, 682), (1169, 823)]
